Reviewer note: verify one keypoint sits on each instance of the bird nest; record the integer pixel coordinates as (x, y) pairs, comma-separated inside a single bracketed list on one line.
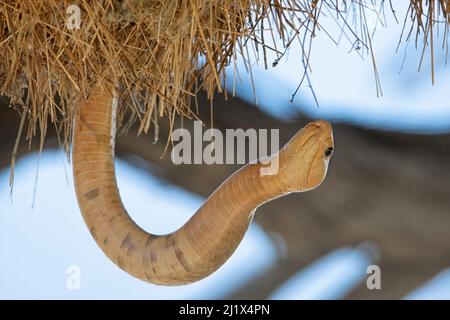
[(158, 53)]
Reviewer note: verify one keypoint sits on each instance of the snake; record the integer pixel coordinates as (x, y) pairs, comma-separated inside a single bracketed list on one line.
[(207, 240)]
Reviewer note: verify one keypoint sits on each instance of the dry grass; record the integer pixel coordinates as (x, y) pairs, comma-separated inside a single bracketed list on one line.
[(160, 53)]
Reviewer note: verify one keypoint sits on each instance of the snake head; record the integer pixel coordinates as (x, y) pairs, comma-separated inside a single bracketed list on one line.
[(304, 159)]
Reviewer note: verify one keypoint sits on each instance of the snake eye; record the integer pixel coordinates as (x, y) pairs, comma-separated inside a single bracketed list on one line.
[(328, 152)]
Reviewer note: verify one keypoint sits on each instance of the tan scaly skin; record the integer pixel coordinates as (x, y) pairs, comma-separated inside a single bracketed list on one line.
[(213, 233)]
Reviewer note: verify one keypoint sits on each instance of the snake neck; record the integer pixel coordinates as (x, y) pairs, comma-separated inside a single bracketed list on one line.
[(252, 188)]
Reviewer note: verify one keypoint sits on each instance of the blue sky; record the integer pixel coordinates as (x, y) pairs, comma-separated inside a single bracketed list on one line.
[(331, 277)]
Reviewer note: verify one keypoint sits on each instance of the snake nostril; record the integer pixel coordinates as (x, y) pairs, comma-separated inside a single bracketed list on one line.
[(328, 152)]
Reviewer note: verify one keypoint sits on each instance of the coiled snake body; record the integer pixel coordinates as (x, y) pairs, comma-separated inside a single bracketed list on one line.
[(213, 233)]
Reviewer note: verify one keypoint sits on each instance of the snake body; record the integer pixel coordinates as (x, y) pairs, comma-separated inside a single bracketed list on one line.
[(213, 233)]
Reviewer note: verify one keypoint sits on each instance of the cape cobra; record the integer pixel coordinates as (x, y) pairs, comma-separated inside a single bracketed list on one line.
[(213, 233)]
